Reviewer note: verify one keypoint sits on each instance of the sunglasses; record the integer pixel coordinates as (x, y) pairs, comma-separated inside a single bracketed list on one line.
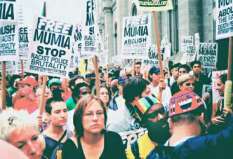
[(189, 84)]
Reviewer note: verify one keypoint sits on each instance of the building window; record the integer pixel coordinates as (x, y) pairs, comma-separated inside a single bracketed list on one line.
[(134, 10)]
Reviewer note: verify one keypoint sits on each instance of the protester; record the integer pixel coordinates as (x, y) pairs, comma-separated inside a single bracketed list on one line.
[(200, 78), (25, 97), (186, 82), (183, 69), (158, 86), (78, 90), (105, 95), (18, 129), (56, 133), (54, 85), (137, 69), (174, 72), (186, 110), (91, 140), (155, 121)]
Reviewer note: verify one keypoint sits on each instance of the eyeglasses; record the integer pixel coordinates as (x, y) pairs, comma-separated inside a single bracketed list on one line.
[(92, 114), (189, 84)]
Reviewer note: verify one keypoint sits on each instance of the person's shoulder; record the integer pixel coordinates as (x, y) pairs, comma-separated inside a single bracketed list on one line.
[(111, 134)]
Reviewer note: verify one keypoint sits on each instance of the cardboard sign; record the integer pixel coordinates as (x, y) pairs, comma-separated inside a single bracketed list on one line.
[(51, 48), (8, 41), (224, 19), (136, 36), (23, 43), (187, 48), (155, 5), (208, 53)]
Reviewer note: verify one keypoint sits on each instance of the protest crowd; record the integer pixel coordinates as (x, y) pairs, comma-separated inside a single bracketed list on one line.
[(66, 103)]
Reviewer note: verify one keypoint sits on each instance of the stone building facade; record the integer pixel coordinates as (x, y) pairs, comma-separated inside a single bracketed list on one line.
[(187, 18)]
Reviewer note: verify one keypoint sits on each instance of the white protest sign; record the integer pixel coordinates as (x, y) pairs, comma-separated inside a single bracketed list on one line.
[(224, 19), (152, 57), (89, 47), (51, 48), (208, 53), (130, 137), (187, 48), (8, 41), (136, 35), (23, 42), (8, 10)]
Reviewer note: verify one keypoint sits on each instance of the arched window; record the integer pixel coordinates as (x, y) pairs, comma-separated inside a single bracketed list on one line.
[(134, 10)]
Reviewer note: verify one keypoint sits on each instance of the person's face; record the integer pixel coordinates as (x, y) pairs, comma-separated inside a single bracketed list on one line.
[(104, 95), (175, 72), (84, 91), (93, 118), (53, 87), (155, 77), (196, 68), (58, 116), (220, 87), (25, 90), (27, 139), (187, 85), (182, 71), (137, 68)]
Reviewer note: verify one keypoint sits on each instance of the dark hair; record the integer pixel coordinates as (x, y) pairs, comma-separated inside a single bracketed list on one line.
[(153, 70), (138, 63), (108, 89), (48, 105), (195, 62), (134, 87), (78, 114), (186, 67), (76, 89), (223, 78), (72, 81)]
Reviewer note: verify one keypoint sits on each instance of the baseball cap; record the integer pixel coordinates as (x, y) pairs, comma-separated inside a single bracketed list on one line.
[(54, 81), (154, 70), (184, 102)]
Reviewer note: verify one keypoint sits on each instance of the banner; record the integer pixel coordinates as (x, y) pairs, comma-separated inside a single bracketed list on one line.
[(136, 37), (23, 43), (224, 19), (155, 5), (208, 53), (8, 41), (130, 137), (51, 48)]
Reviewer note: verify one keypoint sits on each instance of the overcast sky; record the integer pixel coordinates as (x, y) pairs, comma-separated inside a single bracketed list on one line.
[(69, 11)]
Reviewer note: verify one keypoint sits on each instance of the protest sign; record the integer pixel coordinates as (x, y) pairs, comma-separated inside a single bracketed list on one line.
[(224, 19), (51, 48), (23, 43), (8, 10), (90, 30), (130, 137), (136, 36), (187, 48), (8, 41), (152, 57), (208, 53), (155, 5)]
